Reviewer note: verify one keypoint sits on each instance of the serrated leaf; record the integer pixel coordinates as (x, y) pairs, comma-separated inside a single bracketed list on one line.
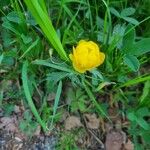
[(132, 62), (127, 12), (57, 76)]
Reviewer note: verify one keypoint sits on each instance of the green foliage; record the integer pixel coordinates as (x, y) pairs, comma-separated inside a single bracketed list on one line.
[(77, 100), (125, 14), (139, 126), (27, 125), (68, 139), (28, 96), (41, 16), (120, 28)]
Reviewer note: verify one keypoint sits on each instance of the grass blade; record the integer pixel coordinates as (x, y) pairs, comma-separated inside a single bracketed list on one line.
[(48, 64), (135, 81), (28, 96), (91, 96), (45, 23), (57, 98)]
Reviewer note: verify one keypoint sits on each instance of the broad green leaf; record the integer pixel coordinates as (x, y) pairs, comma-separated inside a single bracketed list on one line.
[(13, 17), (128, 38), (6, 24), (115, 12), (141, 47), (132, 62), (143, 112), (143, 123), (127, 12), (131, 116), (26, 39), (131, 20)]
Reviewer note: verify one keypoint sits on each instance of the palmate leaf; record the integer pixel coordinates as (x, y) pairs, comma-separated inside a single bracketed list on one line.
[(41, 16), (132, 62), (132, 49), (127, 12)]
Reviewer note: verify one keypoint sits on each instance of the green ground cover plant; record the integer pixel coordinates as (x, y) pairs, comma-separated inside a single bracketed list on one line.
[(36, 40)]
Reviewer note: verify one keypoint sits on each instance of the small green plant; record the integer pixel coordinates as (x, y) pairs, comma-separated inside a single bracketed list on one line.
[(68, 139), (27, 125), (140, 128)]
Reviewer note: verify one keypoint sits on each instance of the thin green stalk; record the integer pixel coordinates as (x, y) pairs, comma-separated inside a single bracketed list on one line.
[(110, 22), (135, 81), (57, 98), (91, 96)]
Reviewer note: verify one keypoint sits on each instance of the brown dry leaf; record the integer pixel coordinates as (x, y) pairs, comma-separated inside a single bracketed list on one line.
[(9, 123), (72, 122), (114, 140), (129, 145), (38, 131), (92, 122), (17, 109), (51, 96)]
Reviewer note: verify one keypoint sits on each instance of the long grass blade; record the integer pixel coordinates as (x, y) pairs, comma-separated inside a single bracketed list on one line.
[(28, 96), (48, 64), (91, 96), (45, 23), (57, 98)]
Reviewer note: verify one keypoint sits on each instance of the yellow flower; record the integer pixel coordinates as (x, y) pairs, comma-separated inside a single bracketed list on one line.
[(86, 56)]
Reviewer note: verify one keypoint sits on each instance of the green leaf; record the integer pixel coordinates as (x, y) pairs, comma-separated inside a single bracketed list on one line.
[(57, 98), (26, 39), (142, 112), (127, 12), (132, 62), (146, 91), (115, 12), (14, 17), (42, 18), (28, 96), (141, 47), (129, 37), (57, 76), (1, 58), (52, 65), (143, 123), (30, 48), (131, 20), (131, 116)]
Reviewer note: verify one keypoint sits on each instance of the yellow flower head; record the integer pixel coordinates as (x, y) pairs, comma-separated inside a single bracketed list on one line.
[(86, 56)]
